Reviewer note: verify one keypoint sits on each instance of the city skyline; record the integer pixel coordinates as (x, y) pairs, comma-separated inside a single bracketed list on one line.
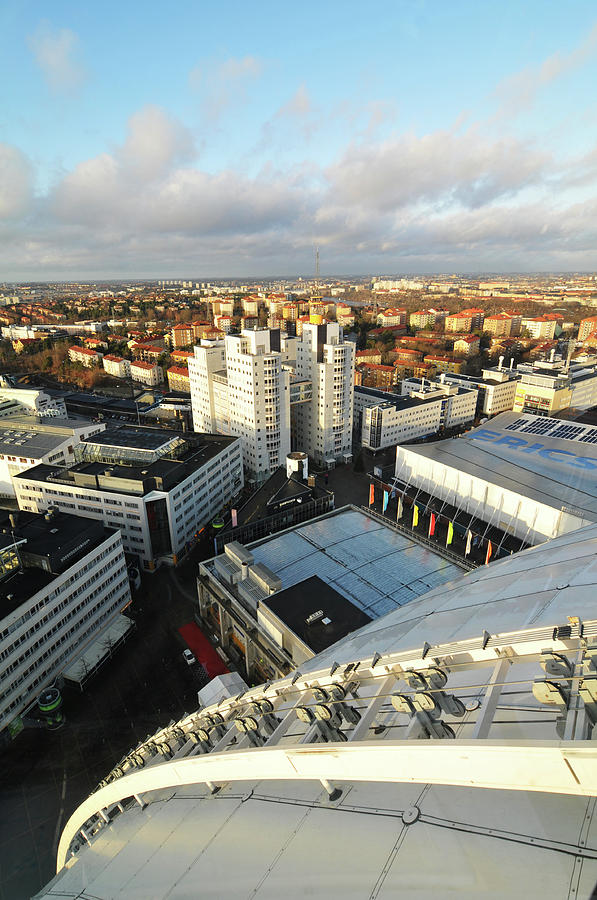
[(407, 138)]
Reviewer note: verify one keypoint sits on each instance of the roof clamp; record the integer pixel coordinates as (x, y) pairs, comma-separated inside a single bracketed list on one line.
[(336, 695), (486, 639), (424, 723), (264, 710), (250, 726)]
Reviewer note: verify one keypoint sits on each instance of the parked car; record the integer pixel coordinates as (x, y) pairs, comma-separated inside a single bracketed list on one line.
[(188, 657)]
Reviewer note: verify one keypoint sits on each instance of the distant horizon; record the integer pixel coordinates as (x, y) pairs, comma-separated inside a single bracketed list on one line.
[(122, 279)]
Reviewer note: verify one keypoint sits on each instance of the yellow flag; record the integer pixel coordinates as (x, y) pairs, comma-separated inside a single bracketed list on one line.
[(415, 515), (450, 534)]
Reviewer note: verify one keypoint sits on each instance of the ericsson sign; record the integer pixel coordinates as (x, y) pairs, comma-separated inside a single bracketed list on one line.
[(521, 446)]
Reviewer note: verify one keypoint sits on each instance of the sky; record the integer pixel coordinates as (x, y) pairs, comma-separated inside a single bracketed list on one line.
[(202, 139)]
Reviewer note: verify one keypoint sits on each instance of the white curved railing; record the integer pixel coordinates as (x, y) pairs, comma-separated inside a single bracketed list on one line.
[(555, 767)]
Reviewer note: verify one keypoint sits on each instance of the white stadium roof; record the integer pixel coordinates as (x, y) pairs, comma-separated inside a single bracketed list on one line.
[(494, 668)]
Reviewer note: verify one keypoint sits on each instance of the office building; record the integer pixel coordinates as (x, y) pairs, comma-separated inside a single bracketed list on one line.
[(27, 441), (496, 388), (158, 487), (415, 415), (551, 386), (64, 584)]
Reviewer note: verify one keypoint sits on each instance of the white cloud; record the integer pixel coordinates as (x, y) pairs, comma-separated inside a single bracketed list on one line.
[(436, 201), (56, 50), (16, 182), (224, 85), (519, 91)]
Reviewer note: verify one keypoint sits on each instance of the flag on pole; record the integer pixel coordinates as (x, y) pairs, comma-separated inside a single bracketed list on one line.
[(450, 536), (399, 509), (234, 516), (468, 543), (415, 515), (371, 494), (432, 525), (386, 497), (489, 552), (393, 494)]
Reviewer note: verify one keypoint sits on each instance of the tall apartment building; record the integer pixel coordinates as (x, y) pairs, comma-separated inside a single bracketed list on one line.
[(540, 327), (157, 486), (323, 427), (64, 583), (239, 387), (587, 326)]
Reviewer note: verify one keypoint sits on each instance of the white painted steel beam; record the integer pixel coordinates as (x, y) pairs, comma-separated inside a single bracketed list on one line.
[(556, 767)]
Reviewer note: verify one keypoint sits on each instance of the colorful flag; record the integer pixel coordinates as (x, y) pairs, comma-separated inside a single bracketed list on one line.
[(489, 552), (371, 494), (415, 515), (450, 536), (234, 515), (468, 543), (399, 509), (393, 494), (386, 497), (432, 525)]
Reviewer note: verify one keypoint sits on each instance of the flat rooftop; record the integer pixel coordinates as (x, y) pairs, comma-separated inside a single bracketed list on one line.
[(368, 563), (162, 474), (134, 438), (316, 613)]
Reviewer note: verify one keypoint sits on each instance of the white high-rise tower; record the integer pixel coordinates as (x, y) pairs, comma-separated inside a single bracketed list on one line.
[(323, 427)]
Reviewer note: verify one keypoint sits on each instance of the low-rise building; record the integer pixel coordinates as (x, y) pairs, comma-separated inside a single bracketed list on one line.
[(147, 373), (117, 366), (465, 320), (158, 487), (178, 379), (85, 356), (444, 363), (391, 316), (64, 585), (467, 346), (371, 375)]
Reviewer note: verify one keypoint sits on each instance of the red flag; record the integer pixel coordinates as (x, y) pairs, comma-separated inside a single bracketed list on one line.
[(489, 552), (371, 495), (432, 525)]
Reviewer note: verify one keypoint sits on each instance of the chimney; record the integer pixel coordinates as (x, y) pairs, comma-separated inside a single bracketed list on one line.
[(13, 519), (500, 361), (511, 363)]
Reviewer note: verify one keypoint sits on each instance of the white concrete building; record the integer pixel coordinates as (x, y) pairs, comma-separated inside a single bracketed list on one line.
[(323, 427), (158, 487), (540, 327), (147, 373), (496, 388), (84, 356), (64, 582), (386, 422), (240, 387), (27, 441), (29, 401), (117, 366)]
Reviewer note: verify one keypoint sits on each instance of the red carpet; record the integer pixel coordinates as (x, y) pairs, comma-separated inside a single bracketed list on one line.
[(203, 650)]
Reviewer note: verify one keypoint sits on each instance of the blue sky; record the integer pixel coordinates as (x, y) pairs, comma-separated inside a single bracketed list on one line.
[(231, 139)]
